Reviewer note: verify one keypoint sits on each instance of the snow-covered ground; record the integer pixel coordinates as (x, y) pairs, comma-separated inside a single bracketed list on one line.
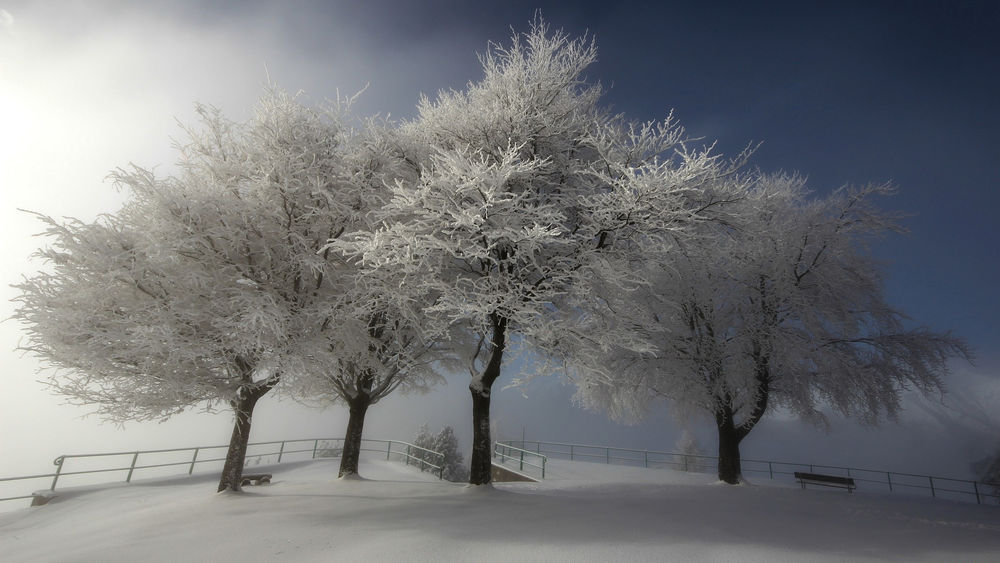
[(583, 512)]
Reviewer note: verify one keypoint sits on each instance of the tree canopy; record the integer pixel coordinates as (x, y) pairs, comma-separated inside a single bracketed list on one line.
[(341, 259), (527, 197), (782, 306)]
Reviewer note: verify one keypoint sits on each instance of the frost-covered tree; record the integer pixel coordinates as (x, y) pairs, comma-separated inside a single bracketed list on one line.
[(133, 335), (202, 287), (423, 437), (368, 342), (446, 443), (784, 308), (371, 354), (525, 197), (99, 316), (689, 449)]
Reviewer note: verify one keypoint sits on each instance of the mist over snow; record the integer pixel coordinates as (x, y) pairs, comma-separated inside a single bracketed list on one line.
[(582, 512)]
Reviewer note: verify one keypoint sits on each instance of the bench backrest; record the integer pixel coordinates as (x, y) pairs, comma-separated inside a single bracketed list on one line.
[(824, 478)]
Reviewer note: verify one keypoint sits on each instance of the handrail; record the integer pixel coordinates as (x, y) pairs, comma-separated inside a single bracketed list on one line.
[(412, 455), (894, 481), (506, 449), (424, 464)]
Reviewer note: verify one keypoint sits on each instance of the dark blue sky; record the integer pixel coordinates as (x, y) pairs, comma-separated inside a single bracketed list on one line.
[(845, 93), (841, 92)]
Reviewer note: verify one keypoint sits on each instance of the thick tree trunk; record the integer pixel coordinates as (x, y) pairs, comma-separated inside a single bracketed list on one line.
[(243, 405), (480, 470), (232, 472), (731, 434), (352, 439), (730, 470)]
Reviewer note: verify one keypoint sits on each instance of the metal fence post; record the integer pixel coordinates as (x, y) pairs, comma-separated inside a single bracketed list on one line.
[(131, 468), (416, 455), (59, 464)]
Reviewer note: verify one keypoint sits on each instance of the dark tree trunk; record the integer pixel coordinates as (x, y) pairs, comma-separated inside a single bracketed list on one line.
[(730, 470), (352, 439), (731, 434), (480, 470), (243, 405)]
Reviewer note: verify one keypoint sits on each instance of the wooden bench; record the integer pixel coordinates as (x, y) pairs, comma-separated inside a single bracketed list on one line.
[(259, 479), (825, 480)]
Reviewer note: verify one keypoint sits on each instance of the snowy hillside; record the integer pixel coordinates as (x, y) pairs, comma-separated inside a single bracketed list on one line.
[(584, 512)]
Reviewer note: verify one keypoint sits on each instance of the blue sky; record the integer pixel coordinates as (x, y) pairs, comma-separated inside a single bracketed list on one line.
[(841, 92)]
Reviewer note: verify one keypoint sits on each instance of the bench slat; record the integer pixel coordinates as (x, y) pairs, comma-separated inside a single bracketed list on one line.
[(825, 480)]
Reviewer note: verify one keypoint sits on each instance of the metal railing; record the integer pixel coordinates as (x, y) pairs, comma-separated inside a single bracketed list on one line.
[(141, 460), (508, 452), (869, 480), (420, 456)]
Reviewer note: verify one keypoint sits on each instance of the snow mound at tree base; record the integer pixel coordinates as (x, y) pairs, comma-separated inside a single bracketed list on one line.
[(586, 512)]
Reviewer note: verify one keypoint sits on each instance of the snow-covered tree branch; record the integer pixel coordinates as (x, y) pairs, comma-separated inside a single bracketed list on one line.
[(786, 309), (206, 285), (528, 200)]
